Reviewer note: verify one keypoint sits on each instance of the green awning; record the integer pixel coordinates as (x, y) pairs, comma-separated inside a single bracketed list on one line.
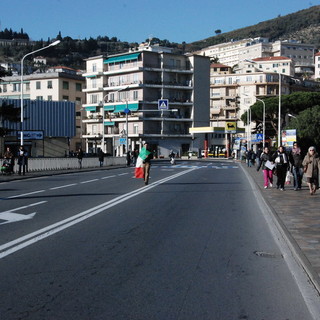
[(131, 107), (108, 108), (91, 76), (109, 123), (92, 109), (127, 57)]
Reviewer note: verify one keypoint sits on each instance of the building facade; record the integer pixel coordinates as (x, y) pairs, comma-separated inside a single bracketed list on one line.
[(57, 84), (148, 94), (232, 94)]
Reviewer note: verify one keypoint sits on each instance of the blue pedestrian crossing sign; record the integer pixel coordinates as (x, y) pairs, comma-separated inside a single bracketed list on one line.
[(163, 104), (258, 137)]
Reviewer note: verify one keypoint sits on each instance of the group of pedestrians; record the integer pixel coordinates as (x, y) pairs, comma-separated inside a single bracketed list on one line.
[(22, 160), (282, 164)]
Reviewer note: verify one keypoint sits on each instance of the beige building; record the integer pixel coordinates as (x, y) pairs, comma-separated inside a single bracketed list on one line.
[(232, 94), (148, 94)]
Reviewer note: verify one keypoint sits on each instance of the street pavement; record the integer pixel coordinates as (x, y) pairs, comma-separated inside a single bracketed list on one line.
[(296, 212)]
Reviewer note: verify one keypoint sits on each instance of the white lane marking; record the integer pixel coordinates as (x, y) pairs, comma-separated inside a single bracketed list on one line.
[(122, 174), (26, 194), (27, 240), (88, 181), (108, 177), (11, 216), (65, 186)]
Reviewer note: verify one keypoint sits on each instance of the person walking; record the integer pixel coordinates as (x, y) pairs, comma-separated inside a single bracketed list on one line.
[(281, 161), (295, 159), (311, 164), (22, 160), (258, 158), (101, 157), (128, 158), (249, 157), (267, 165), (80, 157), (147, 163)]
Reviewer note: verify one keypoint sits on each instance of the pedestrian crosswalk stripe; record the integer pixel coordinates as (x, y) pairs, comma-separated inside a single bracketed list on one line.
[(197, 167)]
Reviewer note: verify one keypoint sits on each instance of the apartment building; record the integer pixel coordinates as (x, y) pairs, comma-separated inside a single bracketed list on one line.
[(233, 52), (148, 94), (232, 94), (57, 84)]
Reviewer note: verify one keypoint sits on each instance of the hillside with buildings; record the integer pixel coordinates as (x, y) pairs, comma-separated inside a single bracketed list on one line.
[(302, 26)]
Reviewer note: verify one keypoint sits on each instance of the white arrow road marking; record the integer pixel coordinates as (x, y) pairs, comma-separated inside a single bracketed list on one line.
[(11, 216)]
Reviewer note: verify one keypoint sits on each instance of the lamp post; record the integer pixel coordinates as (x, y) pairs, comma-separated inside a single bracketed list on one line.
[(103, 118), (279, 112), (21, 83), (263, 122)]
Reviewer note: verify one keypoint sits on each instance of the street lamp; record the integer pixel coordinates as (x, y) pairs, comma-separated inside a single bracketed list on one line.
[(263, 122), (21, 83), (292, 116), (248, 125)]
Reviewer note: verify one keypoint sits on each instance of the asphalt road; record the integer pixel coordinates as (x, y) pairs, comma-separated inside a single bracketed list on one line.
[(193, 244)]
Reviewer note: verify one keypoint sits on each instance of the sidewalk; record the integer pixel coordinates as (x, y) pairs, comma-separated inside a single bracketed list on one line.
[(298, 213)]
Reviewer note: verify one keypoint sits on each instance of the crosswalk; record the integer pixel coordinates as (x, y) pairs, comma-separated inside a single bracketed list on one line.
[(195, 166)]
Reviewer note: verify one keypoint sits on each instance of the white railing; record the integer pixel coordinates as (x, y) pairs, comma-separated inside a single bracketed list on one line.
[(45, 164)]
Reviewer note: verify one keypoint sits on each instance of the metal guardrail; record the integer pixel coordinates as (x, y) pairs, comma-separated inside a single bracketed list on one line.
[(45, 164)]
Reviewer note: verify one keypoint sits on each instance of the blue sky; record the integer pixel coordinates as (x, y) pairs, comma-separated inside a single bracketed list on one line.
[(137, 20)]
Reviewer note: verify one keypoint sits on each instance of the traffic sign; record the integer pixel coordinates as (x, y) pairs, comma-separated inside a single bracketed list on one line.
[(126, 110), (163, 104), (122, 140)]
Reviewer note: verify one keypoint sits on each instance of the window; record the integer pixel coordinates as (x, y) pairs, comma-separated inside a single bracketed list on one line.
[(93, 83), (78, 100), (65, 85), (135, 129), (16, 87), (78, 86), (124, 95), (94, 67), (135, 95), (94, 98), (65, 98), (49, 84), (39, 97), (49, 98), (38, 85)]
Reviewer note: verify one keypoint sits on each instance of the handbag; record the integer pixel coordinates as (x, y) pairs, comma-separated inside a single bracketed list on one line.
[(288, 178)]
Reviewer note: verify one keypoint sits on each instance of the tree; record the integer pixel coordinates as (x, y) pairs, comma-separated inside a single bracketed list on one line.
[(307, 125), (218, 31), (293, 103)]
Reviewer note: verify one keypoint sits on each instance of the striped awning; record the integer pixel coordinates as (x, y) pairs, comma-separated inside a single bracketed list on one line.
[(127, 57)]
